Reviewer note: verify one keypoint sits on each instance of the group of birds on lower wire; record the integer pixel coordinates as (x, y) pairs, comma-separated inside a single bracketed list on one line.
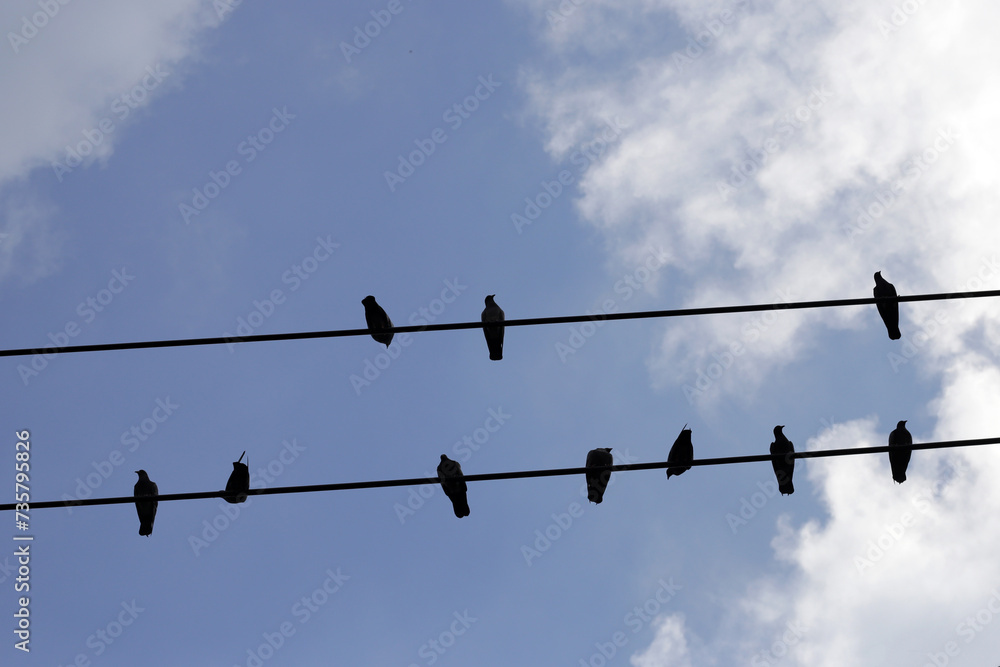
[(598, 474), (598, 460)]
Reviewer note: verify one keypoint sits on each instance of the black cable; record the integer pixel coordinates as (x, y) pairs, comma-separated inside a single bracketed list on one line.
[(531, 321), (416, 481)]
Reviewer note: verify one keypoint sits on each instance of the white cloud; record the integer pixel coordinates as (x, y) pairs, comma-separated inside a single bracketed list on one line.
[(75, 74), (668, 647), (855, 117), (842, 112)]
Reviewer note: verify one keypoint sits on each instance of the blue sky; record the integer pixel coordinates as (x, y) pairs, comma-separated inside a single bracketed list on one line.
[(187, 169)]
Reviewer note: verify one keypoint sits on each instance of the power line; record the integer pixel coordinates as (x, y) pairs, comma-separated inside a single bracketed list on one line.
[(417, 481), (531, 321)]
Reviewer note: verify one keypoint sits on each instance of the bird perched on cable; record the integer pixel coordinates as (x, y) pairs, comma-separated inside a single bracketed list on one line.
[(783, 465), (681, 452), (597, 480), (377, 319), (146, 509), (899, 451), (455, 489), (494, 335), (239, 482), (889, 309)]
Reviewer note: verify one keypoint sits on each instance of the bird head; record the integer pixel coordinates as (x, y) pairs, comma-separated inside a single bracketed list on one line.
[(489, 300), (142, 474), (368, 300), (444, 457), (901, 424), (777, 430), (878, 277)]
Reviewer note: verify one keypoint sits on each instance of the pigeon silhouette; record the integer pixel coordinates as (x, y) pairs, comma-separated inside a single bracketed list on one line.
[(597, 480), (377, 319), (239, 482), (889, 310), (455, 489), (494, 335), (681, 452), (899, 451), (783, 465), (146, 509)]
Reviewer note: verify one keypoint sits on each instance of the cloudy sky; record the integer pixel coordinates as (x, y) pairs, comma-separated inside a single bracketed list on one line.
[(188, 168)]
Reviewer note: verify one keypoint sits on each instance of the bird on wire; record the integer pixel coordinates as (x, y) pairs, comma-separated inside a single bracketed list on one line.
[(239, 482), (682, 451), (888, 309), (899, 451), (377, 319), (597, 480), (494, 334), (783, 465), (455, 489), (146, 509)]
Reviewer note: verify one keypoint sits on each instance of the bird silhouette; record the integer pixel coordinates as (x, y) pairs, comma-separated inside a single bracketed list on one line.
[(377, 319), (899, 451), (597, 480), (783, 464), (889, 309), (682, 451), (455, 489), (239, 482), (146, 509), (494, 335)]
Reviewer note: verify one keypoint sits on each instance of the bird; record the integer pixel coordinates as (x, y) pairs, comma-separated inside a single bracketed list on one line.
[(889, 310), (377, 319), (239, 482), (899, 451), (494, 335), (682, 451), (146, 509), (597, 480), (784, 466), (455, 489)]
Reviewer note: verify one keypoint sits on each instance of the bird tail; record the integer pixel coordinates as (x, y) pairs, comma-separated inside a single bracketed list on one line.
[(786, 489), (496, 356), (895, 335), (146, 529)]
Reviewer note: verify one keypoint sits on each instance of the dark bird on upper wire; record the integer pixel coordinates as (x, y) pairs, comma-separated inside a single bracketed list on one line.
[(783, 464), (899, 451), (146, 509), (494, 335), (239, 482), (455, 489), (889, 309), (597, 480), (682, 451), (377, 319)]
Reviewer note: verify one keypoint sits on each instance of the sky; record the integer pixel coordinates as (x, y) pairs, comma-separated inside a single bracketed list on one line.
[(188, 168)]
